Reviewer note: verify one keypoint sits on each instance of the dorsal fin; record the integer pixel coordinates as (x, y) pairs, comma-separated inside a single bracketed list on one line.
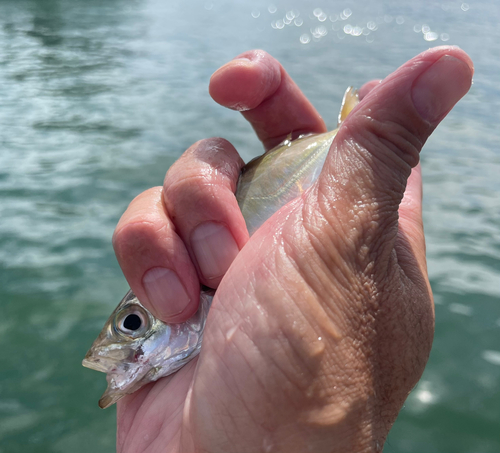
[(351, 100)]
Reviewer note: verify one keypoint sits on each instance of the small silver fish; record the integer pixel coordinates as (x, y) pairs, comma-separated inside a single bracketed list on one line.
[(134, 348)]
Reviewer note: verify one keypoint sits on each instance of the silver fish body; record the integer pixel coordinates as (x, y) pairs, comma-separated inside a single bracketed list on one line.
[(135, 348)]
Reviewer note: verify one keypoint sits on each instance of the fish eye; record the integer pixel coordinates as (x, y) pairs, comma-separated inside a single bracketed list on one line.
[(132, 321)]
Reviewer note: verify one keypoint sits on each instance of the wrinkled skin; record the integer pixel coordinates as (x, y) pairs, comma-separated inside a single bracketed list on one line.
[(323, 323)]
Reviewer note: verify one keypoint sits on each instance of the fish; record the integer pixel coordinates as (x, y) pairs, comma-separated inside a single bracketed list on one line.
[(134, 347)]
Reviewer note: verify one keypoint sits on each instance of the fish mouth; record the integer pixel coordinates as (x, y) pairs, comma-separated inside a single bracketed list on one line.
[(104, 359), (96, 360), (102, 364), (119, 382), (110, 397), (112, 393), (87, 363), (118, 388)]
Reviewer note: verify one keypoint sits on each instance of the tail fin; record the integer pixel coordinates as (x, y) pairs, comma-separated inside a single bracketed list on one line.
[(351, 100)]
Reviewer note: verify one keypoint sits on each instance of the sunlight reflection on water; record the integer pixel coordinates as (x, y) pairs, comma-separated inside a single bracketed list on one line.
[(99, 99), (359, 23)]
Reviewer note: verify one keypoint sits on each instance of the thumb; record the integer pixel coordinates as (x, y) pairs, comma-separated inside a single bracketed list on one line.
[(379, 143)]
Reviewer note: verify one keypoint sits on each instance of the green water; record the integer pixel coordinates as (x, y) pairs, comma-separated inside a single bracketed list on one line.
[(98, 98)]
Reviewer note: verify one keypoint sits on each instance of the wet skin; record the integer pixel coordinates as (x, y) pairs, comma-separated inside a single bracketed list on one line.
[(322, 322)]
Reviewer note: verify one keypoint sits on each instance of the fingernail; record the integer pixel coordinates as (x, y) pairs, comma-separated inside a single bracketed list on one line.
[(440, 87), (214, 248), (165, 292)]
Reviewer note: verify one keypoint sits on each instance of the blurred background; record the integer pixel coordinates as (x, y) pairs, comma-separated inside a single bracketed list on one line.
[(99, 97)]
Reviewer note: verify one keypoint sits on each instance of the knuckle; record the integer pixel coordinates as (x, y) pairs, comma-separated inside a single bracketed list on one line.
[(201, 147), (202, 177), (213, 160), (149, 194), (208, 149), (135, 237), (391, 141), (188, 190)]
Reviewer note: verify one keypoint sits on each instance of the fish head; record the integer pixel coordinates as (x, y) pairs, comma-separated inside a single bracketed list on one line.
[(127, 349)]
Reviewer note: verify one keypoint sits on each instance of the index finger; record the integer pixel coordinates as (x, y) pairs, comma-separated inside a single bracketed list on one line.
[(256, 84)]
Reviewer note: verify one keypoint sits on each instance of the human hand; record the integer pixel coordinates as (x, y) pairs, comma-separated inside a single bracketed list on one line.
[(323, 320)]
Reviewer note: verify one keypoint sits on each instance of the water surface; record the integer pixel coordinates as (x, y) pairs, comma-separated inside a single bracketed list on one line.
[(97, 99)]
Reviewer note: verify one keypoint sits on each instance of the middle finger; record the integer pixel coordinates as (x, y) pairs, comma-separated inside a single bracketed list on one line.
[(199, 197)]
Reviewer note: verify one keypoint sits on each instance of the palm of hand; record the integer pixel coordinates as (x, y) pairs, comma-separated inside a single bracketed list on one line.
[(324, 321)]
